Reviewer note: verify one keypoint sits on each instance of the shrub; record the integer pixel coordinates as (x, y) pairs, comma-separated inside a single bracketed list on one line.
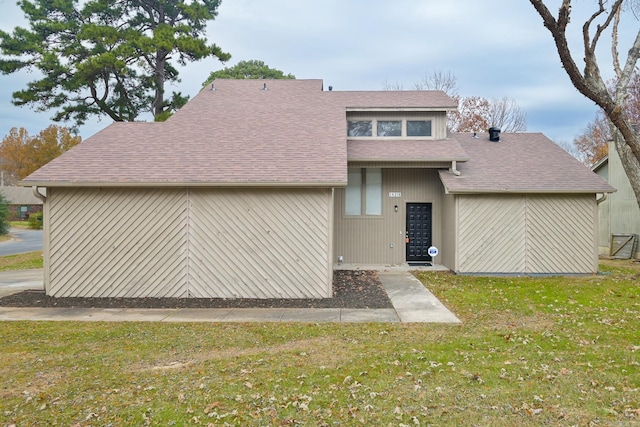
[(4, 214), (35, 220)]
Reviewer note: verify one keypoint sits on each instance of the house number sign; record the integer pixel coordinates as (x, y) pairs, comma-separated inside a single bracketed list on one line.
[(395, 194)]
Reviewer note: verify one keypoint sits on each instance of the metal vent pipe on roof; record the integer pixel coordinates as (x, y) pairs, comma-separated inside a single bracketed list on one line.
[(494, 134)]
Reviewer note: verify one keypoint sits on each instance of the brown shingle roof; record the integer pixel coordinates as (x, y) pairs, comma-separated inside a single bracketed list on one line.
[(293, 133), (416, 100), (520, 163), (238, 134)]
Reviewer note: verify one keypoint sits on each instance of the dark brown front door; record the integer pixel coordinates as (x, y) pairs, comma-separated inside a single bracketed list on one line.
[(418, 231)]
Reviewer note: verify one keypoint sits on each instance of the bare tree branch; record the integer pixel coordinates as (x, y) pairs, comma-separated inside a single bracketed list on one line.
[(445, 81), (505, 114), (591, 84)]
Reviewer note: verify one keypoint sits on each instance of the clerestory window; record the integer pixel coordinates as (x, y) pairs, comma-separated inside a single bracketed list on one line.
[(389, 128), (359, 128)]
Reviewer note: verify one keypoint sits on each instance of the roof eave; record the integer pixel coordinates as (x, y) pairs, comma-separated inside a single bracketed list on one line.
[(387, 109), (600, 163), (527, 191), (405, 160)]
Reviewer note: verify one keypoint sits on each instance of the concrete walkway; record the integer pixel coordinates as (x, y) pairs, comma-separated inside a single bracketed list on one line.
[(412, 302)]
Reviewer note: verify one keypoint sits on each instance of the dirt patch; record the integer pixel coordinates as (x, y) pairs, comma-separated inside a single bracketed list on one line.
[(351, 289)]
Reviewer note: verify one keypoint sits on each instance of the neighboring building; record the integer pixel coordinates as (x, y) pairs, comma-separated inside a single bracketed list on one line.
[(22, 202), (619, 213), (255, 188)]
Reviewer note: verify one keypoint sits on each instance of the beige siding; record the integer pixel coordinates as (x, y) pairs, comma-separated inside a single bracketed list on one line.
[(448, 247), (527, 234), (370, 239), (561, 234), (188, 243), (117, 243), (260, 244), (46, 225), (604, 214), (492, 234)]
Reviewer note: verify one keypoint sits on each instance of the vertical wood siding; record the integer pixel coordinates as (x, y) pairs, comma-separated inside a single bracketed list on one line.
[(189, 243), (624, 211), (527, 234), (604, 213), (368, 240), (492, 234)]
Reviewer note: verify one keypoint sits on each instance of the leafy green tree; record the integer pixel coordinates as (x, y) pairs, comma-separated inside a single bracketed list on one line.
[(4, 214), (35, 220), (107, 57), (252, 69)]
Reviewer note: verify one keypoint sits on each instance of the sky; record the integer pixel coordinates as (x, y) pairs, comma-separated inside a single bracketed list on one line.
[(495, 48)]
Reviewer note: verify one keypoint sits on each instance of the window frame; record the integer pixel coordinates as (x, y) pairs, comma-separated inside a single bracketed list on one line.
[(366, 189), (403, 131)]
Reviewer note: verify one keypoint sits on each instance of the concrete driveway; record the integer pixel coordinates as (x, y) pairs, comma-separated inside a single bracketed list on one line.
[(12, 282), (22, 241)]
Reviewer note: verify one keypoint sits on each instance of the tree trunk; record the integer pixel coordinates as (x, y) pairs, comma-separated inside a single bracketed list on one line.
[(158, 103), (630, 163)]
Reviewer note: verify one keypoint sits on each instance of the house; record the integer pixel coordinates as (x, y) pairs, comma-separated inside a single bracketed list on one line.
[(619, 213), (21, 202), (255, 189)]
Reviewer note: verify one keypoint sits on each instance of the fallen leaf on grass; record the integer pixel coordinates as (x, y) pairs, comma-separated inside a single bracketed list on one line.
[(211, 406)]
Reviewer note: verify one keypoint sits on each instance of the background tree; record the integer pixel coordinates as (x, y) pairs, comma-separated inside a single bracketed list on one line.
[(592, 144), (107, 57), (22, 154), (252, 69), (506, 114), (606, 17), (445, 81), (474, 113)]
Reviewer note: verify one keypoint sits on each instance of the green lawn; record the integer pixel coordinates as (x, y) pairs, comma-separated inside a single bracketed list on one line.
[(19, 224), (531, 351), (21, 261)]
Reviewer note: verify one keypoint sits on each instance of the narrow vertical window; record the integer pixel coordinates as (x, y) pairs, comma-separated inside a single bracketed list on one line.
[(373, 195), (353, 194), (363, 195)]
